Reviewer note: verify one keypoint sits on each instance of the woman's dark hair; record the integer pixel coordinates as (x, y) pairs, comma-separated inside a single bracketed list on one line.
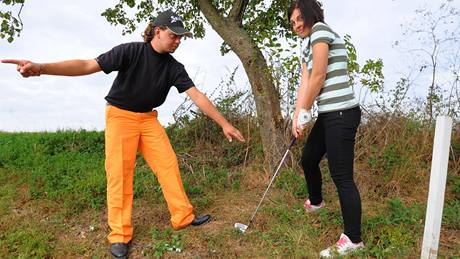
[(149, 32), (310, 10)]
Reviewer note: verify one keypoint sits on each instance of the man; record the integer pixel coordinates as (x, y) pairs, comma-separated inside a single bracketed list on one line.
[(146, 72)]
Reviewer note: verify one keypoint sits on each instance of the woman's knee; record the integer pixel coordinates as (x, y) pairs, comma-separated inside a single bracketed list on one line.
[(344, 181), (308, 163)]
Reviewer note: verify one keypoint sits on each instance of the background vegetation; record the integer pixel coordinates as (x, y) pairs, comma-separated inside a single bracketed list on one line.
[(52, 193)]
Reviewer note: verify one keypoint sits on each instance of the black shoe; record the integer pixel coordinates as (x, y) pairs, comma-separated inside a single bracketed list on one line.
[(119, 250), (201, 220)]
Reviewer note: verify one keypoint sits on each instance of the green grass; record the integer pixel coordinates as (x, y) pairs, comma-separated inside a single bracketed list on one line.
[(27, 241), (52, 198), (163, 242), (393, 232)]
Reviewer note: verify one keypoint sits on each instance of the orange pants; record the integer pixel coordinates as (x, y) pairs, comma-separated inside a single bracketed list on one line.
[(126, 133)]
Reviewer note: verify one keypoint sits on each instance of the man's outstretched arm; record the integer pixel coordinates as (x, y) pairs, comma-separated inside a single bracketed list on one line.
[(210, 110), (76, 67)]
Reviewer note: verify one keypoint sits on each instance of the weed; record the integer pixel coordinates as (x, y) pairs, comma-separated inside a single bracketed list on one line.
[(163, 242), (392, 231), (455, 185), (292, 182), (28, 242), (329, 218), (390, 159), (451, 214)]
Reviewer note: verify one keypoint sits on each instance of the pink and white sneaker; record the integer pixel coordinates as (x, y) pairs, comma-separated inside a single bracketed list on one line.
[(312, 208), (342, 247)]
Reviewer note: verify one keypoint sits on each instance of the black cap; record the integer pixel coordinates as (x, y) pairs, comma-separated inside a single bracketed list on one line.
[(172, 21)]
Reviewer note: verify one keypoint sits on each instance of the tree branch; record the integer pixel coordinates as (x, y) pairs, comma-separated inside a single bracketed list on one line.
[(210, 12), (19, 16), (236, 14)]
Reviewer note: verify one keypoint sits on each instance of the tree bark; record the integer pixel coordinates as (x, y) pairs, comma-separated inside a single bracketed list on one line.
[(263, 89)]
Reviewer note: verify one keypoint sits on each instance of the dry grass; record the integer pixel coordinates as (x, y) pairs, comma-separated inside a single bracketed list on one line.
[(392, 168)]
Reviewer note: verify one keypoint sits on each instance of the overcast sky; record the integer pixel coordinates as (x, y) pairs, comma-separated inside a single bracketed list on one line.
[(59, 30)]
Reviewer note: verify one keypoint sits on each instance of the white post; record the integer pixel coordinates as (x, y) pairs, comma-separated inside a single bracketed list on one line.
[(437, 187)]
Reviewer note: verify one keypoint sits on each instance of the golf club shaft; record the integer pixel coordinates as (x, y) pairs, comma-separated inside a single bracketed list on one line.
[(273, 178)]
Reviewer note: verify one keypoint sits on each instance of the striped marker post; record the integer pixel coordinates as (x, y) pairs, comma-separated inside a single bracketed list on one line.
[(437, 187)]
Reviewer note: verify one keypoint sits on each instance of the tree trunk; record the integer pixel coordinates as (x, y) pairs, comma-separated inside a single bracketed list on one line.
[(265, 94)]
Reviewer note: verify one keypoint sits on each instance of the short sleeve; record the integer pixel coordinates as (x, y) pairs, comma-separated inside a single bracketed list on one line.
[(322, 33), (180, 78), (305, 55), (115, 59)]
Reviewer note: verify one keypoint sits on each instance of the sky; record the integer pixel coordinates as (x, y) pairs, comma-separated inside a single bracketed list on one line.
[(60, 30)]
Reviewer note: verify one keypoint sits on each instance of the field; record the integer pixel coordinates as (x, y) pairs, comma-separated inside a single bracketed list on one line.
[(52, 196)]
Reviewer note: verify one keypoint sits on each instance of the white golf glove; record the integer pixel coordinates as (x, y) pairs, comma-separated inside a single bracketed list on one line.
[(303, 118)]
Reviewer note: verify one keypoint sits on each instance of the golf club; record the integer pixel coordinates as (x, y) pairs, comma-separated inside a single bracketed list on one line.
[(242, 227)]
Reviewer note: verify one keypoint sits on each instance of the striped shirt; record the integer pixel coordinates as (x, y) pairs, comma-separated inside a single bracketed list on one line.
[(336, 93)]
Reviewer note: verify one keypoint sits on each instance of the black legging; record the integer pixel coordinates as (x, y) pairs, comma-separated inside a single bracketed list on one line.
[(334, 133)]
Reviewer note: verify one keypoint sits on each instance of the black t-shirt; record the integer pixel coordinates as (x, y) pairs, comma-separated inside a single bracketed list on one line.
[(144, 76)]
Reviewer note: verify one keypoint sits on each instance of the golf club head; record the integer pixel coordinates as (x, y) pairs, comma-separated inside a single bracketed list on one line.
[(241, 227)]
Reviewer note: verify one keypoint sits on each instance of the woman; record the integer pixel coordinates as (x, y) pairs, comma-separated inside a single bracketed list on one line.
[(324, 78)]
